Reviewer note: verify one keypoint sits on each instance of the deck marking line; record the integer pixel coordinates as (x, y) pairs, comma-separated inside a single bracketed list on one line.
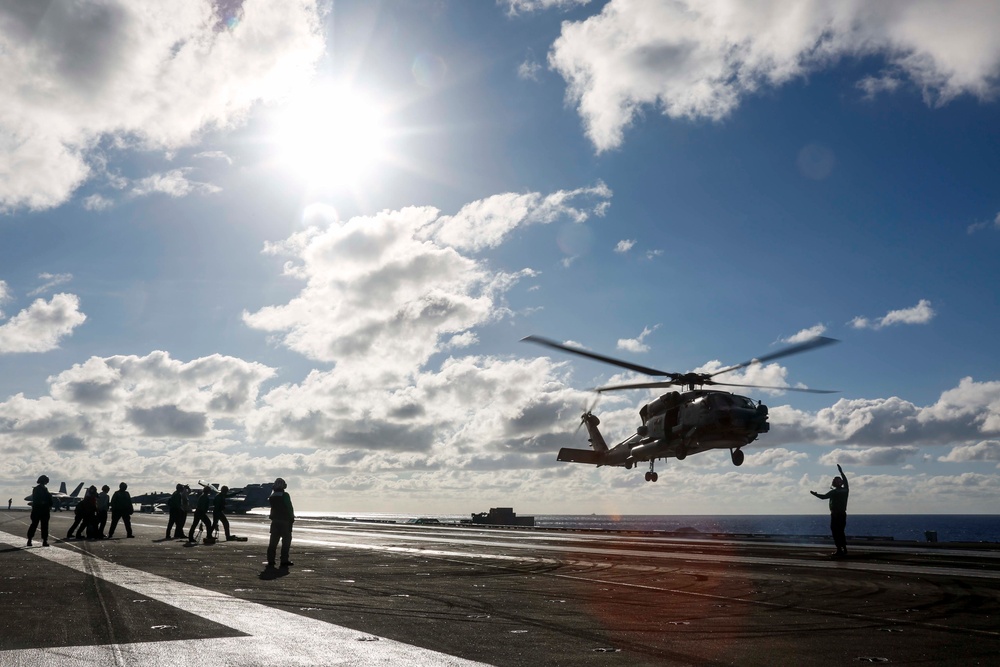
[(274, 636)]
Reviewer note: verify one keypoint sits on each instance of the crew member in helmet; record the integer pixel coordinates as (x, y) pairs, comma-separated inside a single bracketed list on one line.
[(121, 508), (838, 511), (282, 517), (41, 506)]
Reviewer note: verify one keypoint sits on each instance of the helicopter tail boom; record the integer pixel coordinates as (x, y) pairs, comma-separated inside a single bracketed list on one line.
[(581, 456)]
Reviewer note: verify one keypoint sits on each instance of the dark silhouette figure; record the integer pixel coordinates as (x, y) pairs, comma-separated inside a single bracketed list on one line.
[(86, 516), (41, 507), (103, 505), (282, 517), (838, 511), (121, 508), (200, 514), (219, 513), (10, 501), (178, 515)]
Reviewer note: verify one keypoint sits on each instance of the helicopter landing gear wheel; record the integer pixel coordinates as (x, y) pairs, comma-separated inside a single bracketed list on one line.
[(651, 476), (737, 457)]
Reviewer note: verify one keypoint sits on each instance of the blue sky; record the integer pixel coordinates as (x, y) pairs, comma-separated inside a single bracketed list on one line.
[(244, 239)]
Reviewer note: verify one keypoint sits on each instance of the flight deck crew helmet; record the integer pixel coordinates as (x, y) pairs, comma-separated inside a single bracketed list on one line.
[(42, 480), (123, 486), (105, 488), (280, 485), (180, 487), (837, 482)]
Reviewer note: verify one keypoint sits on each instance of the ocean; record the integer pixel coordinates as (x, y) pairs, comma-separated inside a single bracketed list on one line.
[(949, 527)]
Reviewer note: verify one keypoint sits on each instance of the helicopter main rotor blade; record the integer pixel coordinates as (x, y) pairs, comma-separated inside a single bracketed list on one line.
[(813, 343), (637, 385), (597, 357), (763, 386), (664, 384)]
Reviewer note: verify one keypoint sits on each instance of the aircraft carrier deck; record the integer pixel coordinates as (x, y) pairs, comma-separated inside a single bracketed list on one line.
[(393, 594)]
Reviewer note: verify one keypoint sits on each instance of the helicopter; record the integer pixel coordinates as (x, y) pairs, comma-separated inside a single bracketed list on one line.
[(679, 423)]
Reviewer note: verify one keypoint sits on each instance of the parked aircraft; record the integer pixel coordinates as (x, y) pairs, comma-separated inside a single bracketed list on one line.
[(62, 500), (240, 500)]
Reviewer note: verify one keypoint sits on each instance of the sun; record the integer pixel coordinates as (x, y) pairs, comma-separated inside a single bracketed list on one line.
[(331, 136)]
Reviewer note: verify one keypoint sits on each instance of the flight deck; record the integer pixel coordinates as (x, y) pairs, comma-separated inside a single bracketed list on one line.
[(379, 594)]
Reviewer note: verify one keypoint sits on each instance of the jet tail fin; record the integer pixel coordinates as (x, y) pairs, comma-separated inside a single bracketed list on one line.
[(580, 456), (62, 487), (76, 491)]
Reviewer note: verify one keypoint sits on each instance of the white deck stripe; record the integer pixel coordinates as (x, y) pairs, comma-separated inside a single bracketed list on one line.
[(276, 637)]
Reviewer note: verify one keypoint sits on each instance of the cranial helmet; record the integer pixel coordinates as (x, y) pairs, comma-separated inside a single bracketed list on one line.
[(42, 480), (105, 488), (280, 485), (180, 486), (837, 482), (123, 486)]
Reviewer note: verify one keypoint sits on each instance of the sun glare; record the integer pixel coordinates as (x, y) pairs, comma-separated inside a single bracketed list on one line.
[(331, 136)]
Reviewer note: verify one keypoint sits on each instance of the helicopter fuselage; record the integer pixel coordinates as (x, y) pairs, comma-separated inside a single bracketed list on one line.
[(678, 424)]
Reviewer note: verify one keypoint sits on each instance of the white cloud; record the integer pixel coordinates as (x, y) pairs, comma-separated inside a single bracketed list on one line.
[(147, 74), (806, 334), (527, 6), (876, 85), (485, 223), (979, 226), (986, 450), (777, 458), (624, 245), (528, 70), (637, 344), (96, 202), (961, 416), (51, 280), (5, 295), (173, 183), (214, 155), (922, 313), (383, 293), (40, 326), (872, 456), (698, 60)]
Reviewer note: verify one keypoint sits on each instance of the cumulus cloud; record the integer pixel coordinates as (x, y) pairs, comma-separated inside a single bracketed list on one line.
[(40, 326), (637, 344), (961, 416), (137, 411), (146, 75), (806, 334), (383, 293), (624, 245), (986, 450), (469, 408), (872, 456), (777, 458), (699, 60), (922, 313)]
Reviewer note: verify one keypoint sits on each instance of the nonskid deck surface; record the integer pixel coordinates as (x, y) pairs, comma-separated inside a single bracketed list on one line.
[(363, 594)]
